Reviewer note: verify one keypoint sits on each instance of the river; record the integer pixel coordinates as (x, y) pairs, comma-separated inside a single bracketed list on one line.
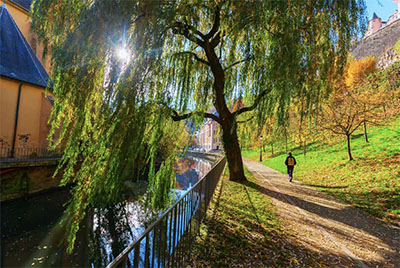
[(31, 233)]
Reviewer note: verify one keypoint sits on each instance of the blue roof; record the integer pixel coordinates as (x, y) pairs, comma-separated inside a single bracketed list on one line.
[(17, 59), (26, 4)]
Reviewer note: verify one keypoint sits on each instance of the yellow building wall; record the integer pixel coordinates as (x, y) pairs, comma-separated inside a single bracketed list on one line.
[(34, 110), (21, 18), (8, 100)]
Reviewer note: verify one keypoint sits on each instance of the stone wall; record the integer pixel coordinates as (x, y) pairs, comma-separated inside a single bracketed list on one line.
[(25, 181), (379, 43)]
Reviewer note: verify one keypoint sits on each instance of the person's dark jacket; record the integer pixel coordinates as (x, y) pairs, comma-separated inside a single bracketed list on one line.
[(287, 158)]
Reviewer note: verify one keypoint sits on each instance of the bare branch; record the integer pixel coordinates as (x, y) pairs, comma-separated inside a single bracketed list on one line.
[(244, 121), (215, 41), (356, 127), (255, 104), (216, 23), (189, 32), (334, 130), (238, 62), (195, 56), (212, 116), (177, 117)]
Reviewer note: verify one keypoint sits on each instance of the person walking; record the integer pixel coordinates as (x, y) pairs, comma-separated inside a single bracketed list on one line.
[(290, 162)]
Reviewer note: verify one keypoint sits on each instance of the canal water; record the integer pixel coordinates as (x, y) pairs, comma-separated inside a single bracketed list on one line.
[(32, 236)]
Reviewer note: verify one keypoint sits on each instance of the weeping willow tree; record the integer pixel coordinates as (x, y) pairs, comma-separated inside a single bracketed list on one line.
[(181, 57)]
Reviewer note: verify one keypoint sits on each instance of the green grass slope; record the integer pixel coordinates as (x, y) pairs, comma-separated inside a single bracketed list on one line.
[(241, 229), (370, 182)]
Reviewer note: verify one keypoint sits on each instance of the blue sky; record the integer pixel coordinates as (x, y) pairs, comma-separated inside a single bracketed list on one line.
[(382, 8)]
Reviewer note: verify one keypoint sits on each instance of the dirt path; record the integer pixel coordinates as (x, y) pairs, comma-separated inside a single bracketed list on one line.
[(341, 234)]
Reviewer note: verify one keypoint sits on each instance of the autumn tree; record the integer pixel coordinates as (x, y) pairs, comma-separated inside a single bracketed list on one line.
[(356, 72), (342, 116), (269, 134), (346, 110), (382, 87), (179, 58), (301, 122)]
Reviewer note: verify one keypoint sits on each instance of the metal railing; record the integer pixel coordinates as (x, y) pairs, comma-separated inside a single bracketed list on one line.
[(28, 154), (168, 241)]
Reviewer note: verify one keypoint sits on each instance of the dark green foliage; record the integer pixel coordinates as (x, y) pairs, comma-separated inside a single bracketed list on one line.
[(184, 56)]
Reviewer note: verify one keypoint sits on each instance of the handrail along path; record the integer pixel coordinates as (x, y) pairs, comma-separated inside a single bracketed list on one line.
[(168, 241)]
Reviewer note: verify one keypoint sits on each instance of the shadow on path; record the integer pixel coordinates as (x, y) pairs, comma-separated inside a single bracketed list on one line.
[(341, 215), (235, 233), (330, 223)]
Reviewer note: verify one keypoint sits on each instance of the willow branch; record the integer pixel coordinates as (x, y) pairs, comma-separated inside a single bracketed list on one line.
[(189, 32), (177, 117), (238, 62), (244, 121), (195, 56), (216, 40), (255, 103), (212, 116), (216, 23)]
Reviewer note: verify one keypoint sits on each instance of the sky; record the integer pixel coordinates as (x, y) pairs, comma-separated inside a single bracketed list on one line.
[(382, 8)]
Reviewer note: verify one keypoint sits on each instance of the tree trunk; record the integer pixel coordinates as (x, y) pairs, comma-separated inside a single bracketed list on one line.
[(232, 152), (227, 119), (365, 132), (272, 149), (286, 143), (304, 148), (348, 147)]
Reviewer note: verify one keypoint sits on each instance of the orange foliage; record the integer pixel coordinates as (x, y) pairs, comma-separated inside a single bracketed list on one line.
[(357, 70)]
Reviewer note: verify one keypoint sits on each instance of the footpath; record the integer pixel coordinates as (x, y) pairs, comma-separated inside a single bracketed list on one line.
[(340, 234)]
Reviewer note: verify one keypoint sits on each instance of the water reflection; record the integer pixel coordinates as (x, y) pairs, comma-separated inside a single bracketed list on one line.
[(189, 170), (32, 236)]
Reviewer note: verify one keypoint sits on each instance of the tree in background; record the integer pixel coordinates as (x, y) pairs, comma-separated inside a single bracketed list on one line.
[(122, 69), (357, 71), (342, 115), (370, 101), (269, 135), (383, 87), (302, 129)]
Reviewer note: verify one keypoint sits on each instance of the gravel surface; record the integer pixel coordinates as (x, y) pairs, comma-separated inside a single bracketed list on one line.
[(342, 235)]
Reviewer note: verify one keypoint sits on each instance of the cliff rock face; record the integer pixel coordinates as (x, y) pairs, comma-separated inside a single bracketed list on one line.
[(380, 45), (387, 58)]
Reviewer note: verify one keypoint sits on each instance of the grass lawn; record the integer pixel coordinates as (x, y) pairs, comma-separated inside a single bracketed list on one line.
[(241, 229), (370, 182)]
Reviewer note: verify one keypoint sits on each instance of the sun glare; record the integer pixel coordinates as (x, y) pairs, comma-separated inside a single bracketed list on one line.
[(123, 54)]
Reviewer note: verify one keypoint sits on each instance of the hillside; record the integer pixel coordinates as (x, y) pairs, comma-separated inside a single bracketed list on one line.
[(379, 45), (370, 182)]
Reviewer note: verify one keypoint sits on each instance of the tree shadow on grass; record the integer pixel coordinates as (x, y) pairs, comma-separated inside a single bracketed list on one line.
[(328, 187), (356, 136), (239, 232)]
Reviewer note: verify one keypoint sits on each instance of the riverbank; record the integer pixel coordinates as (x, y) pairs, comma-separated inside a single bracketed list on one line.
[(20, 182), (33, 236), (242, 229), (26, 178)]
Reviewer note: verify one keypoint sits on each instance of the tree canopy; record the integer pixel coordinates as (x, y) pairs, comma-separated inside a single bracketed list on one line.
[(181, 57)]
